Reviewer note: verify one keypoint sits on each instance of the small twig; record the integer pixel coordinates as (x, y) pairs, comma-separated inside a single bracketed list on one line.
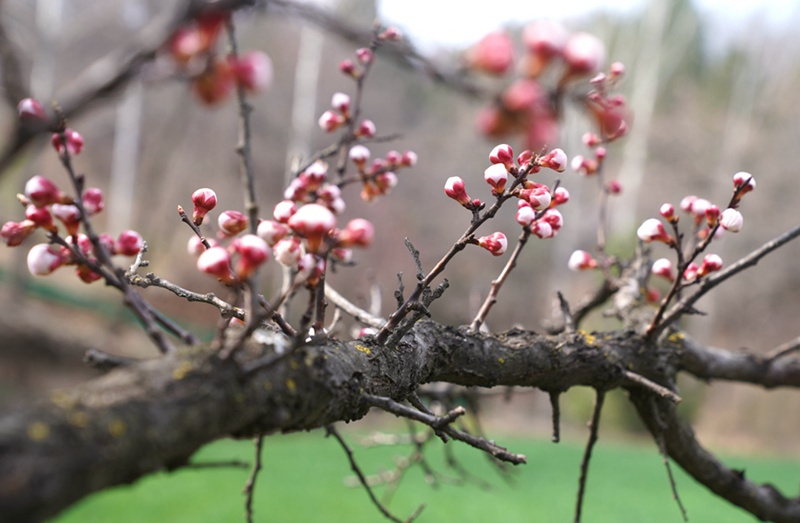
[(226, 309), (555, 408), (249, 487), (662, 449), (331, 431), (491, 299), (235, 464), (105, 361), (188, 221), (442, 423), (353, 310), (594, 424), (569, 321), (783, 350), (652, 386)]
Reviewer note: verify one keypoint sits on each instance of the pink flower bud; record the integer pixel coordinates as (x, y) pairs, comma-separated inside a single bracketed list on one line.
[(496, 243), (653, 230), (359, 154), (663, 267), (330, 121), (271, 232), (409, 159), (690, 274), (284, 210), (107, 241), (524, 158), (366, 129), (41, 217), (668, 211), (711, 263), (393, 159), (542, 229), (83, 244), (583, 54), (69, 215), (253, 71), (30, 111), (616, 70), (195, 247), (391, 34), (217, 262), (364, 55), (74, 142), (584, 166), (14, 233), (92, 199), (555, 160), (348, 68), (129, 243), (314, 176), (357, 233), (42, 191), (366, 331), (502, 154), (496, 175), (545, 39), (288, 251), (309, 269), (252, 251), (538, 196), (341, 102), (314, 222), (493, 54), (86, 274), (455, 189), (341, 255), (712, 215), (43, 259), (590, 139), (614, 187), (554, 218), (560, 196), (214, 84), (525, 214), (204, 200), (731, 220), (741, 179), (581, 261), (232, 223)]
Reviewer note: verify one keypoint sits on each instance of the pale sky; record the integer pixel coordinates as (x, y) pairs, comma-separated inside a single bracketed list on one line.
[(455, 23)]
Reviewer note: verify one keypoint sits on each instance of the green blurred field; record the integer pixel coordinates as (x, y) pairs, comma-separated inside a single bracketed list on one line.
[(303, 481)]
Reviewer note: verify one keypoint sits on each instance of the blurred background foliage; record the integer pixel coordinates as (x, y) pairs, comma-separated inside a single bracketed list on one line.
[(707, 103)]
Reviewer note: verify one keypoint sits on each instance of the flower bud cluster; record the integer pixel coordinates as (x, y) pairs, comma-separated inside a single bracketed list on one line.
[(32, 115), (192, 48), (525, 107)]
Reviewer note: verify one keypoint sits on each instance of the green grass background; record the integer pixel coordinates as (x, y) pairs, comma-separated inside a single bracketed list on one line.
[(303, 481)]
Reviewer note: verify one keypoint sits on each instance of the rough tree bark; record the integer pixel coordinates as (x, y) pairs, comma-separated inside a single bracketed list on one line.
[(156, 414)]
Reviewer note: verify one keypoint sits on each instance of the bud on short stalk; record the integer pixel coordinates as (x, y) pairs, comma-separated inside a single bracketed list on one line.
[(284, 210), (496, 243), (14, 233), (252, 251), (314, 222), (497, 176), (253, 71), (42, 191), (69, 215), (581, 260), (731, 220), (711, 263), (92, 199), (272, 232), (663, 267), (667, 210), (31, 111), (129, 243), (74, 142), (217, 262), (503, 154), (232, 223), (745, 180), (357, 233), (555, 160), (43, 259), (652, 230), (288, 251), (204, 200), (41, 217), (330, 121), (455, 189), (560, 196), (359, 155)]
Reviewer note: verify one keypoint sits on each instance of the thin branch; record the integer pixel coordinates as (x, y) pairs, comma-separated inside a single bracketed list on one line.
[(226, 310), (105, 361), (594, 425), (249, 487), (331, 431), (783, 350), (652, 386), (232, 464), (555, 408), (353, 310), (662, 449)]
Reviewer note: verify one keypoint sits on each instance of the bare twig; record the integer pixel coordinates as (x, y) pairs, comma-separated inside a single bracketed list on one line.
[(249, 487), (784, 350), (594, 424), (555, 408), (353, 310), (652, 386), (105, 361)]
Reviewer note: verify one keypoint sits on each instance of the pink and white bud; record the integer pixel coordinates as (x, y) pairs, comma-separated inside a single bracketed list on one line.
[(542, 229), (92, 199), (314, 175), (330, 121), (107, 241), (653, 230), (42, 191), (699, 208), (590, 139), (69, 215), (204, 200), (496, 175), (74, 142), (711, 263), (366, 129), (14, 233), (554, 218), (357, 233), (386, 182), (86, 274), (581, 261), (744, 179), (348, 67), (364, 55), (496, 243), (195, 247), (341, 102), (41, 217), (341, 255), (455, 189), (288, 251), (493, 54), (409, 159), (545, 39), (272, 232), (538, 196), (391, 34), (366, 331), (284, 210), (584, 166), (392, 159), (83, 244), (253, 71), (687, 203), (690, 274), (663, 267), (43, 259), (667, 210), (712, 215), (314, 222), (555, 160), (232, 223), (216, 261), (525, 214), (359, 155), (502, 154), (731, 220), (30, 110), (129, 243), (560, 196), (252, 251), (583, 54), (614, 187)]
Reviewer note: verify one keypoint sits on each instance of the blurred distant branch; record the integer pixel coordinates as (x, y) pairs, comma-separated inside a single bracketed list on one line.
[(12, 83), (108, 74), (402, 52)]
